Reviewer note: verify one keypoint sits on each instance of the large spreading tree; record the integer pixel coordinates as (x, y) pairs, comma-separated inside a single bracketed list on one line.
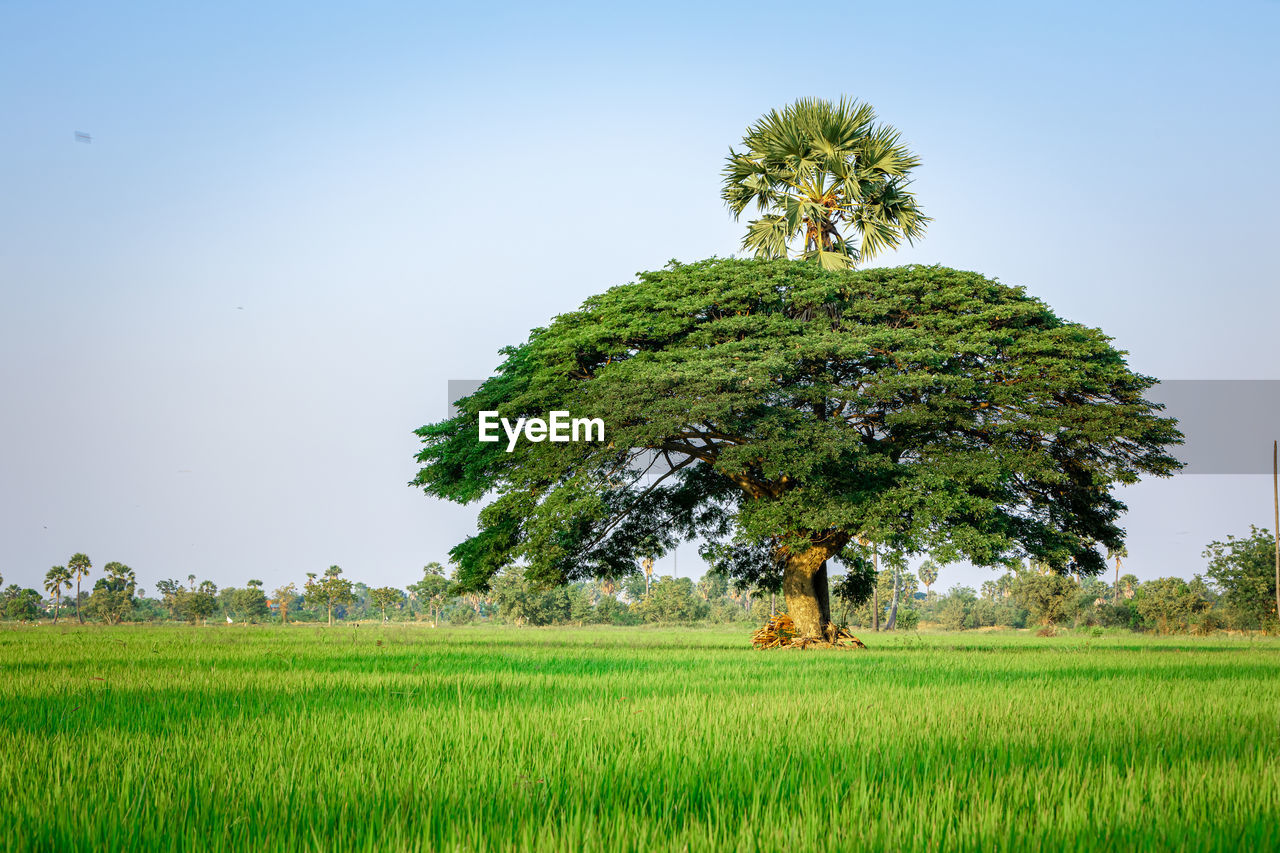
[(783, 413)]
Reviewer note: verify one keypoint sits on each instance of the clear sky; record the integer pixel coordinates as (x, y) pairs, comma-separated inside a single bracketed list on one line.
[(225, 314)]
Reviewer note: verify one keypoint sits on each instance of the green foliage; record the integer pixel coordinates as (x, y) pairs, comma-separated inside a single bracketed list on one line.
[(432, 591), (462, 616), (928, 573), (856, 585), (816, 168), (199, 603), (611, 611), (112, 598), (56, 581), (79, 565), (1172, 605), (248, 604), (523, 601), (955, 609), (23, 605), (671, 599), (772, 406), (908, 619), (328, 591), (385, 597), (581, 609), (1046, 597), (1245, 570)]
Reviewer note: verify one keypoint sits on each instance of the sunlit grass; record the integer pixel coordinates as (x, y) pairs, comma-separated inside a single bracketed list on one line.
[(405, 737)]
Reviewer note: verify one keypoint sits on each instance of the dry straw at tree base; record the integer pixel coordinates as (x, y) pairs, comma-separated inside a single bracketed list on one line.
[(780, 633)]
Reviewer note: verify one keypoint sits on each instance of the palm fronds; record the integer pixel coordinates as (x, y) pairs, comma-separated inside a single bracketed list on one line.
[(815, 168)]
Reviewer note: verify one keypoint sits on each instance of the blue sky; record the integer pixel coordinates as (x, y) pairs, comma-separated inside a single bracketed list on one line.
[(296, 222)]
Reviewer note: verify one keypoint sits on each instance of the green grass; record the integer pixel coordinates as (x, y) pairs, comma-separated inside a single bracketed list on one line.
[(408, 738)]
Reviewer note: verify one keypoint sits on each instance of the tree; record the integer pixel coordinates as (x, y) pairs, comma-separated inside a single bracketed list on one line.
[(171, 593), (897, 583), (329, 591), (283, 596), (1243, 569), (525, 602), (671, 599), (1116, 554), (855, 587), (252, 601), (712, 586), (955, 610), (818, 167), (79, 566), (202, 602), (55, 581), (112, 599), (782, 410), (248, 604), (1046, 596), (1171, 604), (433, 589), (21, 604), (928, 574), (385, 596)]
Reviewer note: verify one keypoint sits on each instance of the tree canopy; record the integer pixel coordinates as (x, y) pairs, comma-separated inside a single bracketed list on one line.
[(1244, 569), (329, 590), (782, 411)]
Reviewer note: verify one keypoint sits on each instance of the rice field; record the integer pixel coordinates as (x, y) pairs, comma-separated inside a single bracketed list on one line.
[(409, 738)]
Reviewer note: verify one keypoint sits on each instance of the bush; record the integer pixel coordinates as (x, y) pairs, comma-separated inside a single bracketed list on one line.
[(908, 619)]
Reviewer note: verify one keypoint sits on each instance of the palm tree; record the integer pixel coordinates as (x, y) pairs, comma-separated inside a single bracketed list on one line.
[(121, 582), (928, 574), (816, 167), (79, 566), (1117, 553), (55, 581)]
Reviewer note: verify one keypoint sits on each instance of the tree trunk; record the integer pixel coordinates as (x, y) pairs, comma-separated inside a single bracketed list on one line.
[(804, 587), (1275, 496), (79, 618), (330, 615), (875, 590), (893, 608)]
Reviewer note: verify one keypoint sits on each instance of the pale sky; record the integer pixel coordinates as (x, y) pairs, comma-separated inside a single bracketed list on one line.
[(224, 316)]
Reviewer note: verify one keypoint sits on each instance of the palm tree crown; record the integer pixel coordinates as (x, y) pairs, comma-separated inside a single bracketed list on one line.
[(816, 167)]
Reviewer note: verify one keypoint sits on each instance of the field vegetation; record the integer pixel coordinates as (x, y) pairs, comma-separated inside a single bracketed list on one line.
[(400, 737)]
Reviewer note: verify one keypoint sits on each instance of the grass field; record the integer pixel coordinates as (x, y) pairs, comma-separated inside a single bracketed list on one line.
[(408, 738)]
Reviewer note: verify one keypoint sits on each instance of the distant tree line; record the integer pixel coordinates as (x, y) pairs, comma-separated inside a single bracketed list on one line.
[(1237, 591)]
